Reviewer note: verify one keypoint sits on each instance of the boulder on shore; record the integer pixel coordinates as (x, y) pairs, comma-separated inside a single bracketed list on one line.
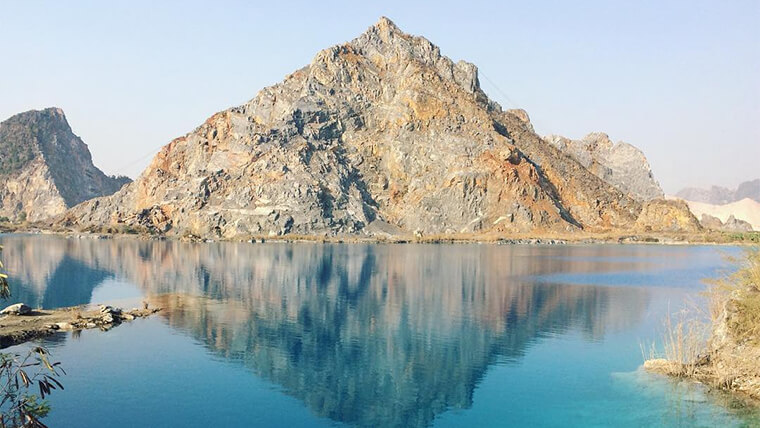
[(16, 309)]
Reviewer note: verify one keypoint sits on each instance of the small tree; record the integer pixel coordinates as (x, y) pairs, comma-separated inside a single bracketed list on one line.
[(19, 407)]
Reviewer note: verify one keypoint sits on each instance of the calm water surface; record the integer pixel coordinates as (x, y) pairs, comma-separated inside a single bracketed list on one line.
[(368, 335)]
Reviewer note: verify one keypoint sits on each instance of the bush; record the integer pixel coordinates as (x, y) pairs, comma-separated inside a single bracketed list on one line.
[(741, 292), (18, 407)]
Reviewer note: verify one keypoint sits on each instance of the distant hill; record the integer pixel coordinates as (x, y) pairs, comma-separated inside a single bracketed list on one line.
[(721, 195), (746, 209), (45, 168)]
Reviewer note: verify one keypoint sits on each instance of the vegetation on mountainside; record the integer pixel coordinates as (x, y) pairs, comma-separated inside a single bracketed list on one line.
[(16, 146)]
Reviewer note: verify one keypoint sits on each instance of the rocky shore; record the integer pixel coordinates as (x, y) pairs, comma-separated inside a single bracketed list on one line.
[(19, 323)]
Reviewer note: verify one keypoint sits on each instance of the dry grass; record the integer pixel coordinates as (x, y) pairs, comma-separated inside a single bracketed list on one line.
[(736, 297), (730, 358), (684, 345)]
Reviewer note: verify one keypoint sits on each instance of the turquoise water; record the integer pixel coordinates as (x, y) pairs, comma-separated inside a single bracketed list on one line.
[(369, 335)]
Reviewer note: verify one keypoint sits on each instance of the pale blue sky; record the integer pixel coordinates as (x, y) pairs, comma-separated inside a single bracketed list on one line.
[(679, 79)]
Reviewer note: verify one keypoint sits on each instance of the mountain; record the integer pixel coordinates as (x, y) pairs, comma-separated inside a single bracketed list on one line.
[(666, 215), (45, 168), (619, 164), (717, 195), (380, 135), (746, 210), (732, 224)]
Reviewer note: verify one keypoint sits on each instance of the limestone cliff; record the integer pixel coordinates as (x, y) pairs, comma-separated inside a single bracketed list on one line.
[(382, 134), (619, 164), (45, 168)]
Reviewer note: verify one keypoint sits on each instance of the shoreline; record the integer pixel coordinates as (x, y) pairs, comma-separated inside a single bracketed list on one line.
[(40, 323), (724, 352), (590, 238), (705, 373)]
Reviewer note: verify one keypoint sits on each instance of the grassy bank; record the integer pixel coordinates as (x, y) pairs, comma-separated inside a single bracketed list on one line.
[(724, 352)]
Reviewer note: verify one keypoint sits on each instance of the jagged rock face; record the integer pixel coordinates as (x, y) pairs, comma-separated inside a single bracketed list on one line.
[(45, 168), (745, 210), (619, 164), (710, 222), (666, 215), (381, 133), (732, 224), (720, 195)]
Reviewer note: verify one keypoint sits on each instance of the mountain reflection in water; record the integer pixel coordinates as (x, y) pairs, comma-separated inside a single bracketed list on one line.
[(367, 335)]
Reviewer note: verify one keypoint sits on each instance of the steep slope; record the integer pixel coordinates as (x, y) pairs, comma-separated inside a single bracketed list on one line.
[(717, 195), (381, 133), (45, 168), (667, 215), (620, 164)]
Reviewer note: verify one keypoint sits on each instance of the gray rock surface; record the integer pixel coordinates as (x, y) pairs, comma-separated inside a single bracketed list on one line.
[(736, 225), (16, 309), (619, 164), (381, 135), (710, 222), (45, 168), (721, 195)]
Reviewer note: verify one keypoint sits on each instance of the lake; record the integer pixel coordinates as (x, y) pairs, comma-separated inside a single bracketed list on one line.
[(306, 334)]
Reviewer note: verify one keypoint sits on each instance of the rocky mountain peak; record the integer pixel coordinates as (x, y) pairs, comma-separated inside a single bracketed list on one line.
[(386, 29), (596, 141), (379, 135), (385, 40), (619, 164), (45, 168)]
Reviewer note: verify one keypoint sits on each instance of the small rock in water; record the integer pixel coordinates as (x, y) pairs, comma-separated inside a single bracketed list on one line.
[(105, 309), (17, 309), (64, 326)]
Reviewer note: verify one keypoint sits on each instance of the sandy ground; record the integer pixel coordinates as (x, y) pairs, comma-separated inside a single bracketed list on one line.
[(746, 209)]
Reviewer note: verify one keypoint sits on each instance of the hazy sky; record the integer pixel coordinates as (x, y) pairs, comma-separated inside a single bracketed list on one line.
[(678, 79)]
